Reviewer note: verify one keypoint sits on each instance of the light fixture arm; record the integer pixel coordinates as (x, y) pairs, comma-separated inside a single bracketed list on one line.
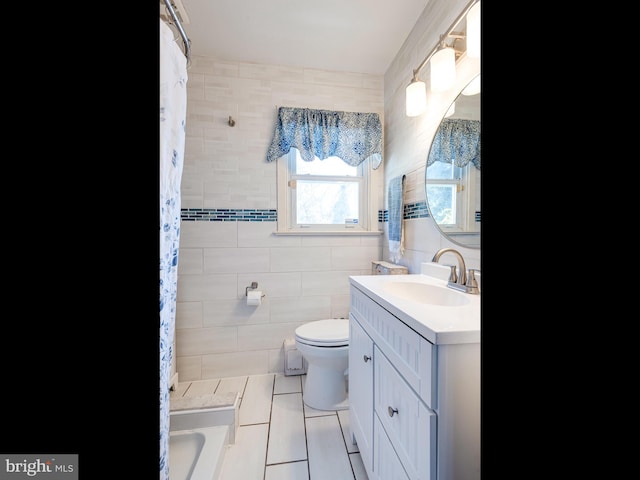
[(441, 43)]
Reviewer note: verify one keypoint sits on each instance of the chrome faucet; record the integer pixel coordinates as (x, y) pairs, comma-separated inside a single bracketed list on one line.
[(462, 280)]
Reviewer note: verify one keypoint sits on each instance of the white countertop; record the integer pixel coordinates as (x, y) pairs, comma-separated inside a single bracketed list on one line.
[(438, 324)]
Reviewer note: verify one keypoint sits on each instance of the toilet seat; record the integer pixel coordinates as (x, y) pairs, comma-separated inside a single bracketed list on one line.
[(324, 333)]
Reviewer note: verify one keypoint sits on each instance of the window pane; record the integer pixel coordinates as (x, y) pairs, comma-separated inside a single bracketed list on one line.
[(326, 202), (442, 203), (443, 170), (328, 166)]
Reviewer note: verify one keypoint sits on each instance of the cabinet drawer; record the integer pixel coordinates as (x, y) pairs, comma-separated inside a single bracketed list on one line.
[(413, 355), (409, 424)]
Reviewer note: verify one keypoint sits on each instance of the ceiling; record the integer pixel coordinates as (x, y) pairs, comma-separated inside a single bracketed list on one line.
[(359, 36)]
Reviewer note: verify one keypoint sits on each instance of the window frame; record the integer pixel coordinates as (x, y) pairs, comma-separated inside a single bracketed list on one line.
[(286, 220), (465, 199)]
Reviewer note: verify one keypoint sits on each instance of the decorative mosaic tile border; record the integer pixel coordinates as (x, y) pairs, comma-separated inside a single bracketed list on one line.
[(416, 210), (410, 210), (228, 215)]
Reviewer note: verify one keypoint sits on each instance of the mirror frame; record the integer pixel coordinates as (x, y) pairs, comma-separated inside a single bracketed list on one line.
[(457, 239)]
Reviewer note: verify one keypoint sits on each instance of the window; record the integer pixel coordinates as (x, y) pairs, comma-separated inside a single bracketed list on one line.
[(452, 196), (323, 196)]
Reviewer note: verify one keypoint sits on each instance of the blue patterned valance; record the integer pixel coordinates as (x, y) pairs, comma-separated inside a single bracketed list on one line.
[(352, 136), (457, 141)]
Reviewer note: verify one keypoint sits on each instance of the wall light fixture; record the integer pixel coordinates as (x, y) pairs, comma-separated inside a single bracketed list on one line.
[(473, 31), (443, 68), (416, 98), (443, 64)]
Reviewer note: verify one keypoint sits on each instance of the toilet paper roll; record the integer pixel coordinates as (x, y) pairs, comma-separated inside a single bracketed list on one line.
[(254, 297)]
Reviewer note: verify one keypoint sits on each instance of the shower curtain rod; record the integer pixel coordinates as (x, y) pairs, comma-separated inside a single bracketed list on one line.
[(178, 24)]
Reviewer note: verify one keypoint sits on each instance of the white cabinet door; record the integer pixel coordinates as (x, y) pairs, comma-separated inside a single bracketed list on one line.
[(361, 391), (410, 425)]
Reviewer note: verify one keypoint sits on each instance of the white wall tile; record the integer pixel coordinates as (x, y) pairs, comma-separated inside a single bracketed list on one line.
[(260, 337), (300, 309), (348, 258), (234, 313), (300, 259), (190, 261), (326, 283), (190, 314), (260, 234), (201, 341), (272, 284), (340, 305), (208, 234), (189, 367), (234, 364), (236, 260), (193, 288)]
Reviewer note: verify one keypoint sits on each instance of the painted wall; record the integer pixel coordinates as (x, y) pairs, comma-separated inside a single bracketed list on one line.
[(304, 278)]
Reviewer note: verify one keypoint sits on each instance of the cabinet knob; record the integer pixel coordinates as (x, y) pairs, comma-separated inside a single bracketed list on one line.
[(366, 358), (392, 411)]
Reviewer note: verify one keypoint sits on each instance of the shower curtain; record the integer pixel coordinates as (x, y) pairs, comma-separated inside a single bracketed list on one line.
[(173, 108)]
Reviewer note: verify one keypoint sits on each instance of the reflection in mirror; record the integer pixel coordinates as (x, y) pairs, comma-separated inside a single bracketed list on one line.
[(452, 174)]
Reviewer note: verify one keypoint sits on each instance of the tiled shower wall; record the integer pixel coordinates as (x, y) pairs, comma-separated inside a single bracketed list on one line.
[(228, 218)]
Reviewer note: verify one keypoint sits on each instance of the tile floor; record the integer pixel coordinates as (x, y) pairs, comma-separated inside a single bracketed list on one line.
[(279, 437)]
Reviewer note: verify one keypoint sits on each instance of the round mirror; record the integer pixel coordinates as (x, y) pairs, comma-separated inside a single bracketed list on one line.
[(452, 174)]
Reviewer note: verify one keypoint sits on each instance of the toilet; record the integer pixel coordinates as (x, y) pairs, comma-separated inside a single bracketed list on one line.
[(324, 344)]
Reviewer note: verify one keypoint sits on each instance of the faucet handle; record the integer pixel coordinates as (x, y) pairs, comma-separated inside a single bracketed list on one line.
[(453, 276), (471, 278)]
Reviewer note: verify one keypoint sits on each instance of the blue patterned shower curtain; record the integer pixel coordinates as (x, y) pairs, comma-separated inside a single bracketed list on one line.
[(173, 109)]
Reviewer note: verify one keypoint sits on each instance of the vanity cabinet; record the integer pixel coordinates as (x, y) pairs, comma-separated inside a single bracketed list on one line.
[(409, 402), (360, 391)]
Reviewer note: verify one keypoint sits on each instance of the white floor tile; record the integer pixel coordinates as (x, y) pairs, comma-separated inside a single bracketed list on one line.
[(290, 384), (328, 458), (312, 412), (245, 460), (343, 416), (286, 434), (358, 466), (287, 471), (278, 429), (256, 401)]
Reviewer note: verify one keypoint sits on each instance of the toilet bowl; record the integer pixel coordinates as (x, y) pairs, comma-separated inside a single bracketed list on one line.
[(325, 346)]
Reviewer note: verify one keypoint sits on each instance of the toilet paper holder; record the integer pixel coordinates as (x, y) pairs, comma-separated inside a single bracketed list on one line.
[(253, 286)]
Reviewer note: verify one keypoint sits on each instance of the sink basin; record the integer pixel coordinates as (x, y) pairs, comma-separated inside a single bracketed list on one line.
[(426, 293)]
